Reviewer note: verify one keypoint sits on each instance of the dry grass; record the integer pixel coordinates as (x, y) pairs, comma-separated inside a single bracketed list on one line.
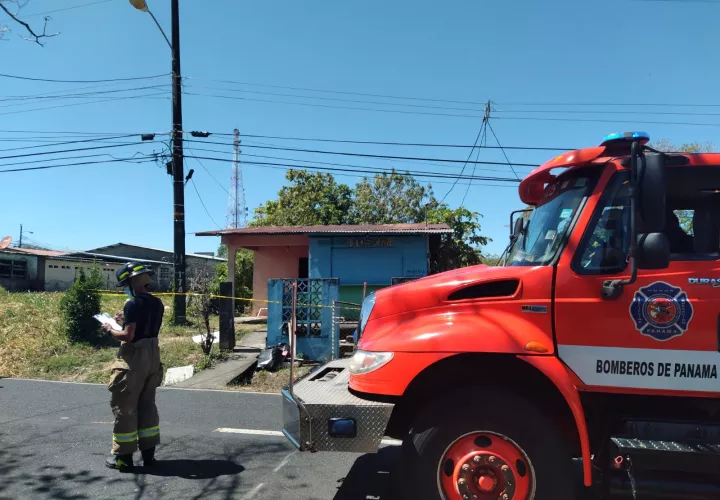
[(265, 381), (33, 345)]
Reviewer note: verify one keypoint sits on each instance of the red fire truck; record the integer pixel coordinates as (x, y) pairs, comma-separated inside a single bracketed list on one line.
[(593, 344)]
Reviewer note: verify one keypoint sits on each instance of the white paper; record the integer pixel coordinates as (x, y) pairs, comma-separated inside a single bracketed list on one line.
[(106, 319), (201, 338)]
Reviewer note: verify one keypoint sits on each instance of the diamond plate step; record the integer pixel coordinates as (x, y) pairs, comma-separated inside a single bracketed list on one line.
[(672, 456), (323, 395)]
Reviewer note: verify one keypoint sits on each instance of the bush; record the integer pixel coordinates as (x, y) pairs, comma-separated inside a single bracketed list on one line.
[(79, 304)]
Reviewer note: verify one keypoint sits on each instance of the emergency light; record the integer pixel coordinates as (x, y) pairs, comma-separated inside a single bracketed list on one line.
[(618, 137)]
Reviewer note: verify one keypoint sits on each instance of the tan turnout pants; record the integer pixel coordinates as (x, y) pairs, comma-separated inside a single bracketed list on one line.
[(136, 375)]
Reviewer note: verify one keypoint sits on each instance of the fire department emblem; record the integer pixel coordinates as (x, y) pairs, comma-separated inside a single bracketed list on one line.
[(661, 311)]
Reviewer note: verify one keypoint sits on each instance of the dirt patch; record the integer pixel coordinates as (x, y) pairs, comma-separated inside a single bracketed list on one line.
[(265, 381)]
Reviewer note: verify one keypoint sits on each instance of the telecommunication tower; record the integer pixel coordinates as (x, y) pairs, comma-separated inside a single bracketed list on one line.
[(237, 212)]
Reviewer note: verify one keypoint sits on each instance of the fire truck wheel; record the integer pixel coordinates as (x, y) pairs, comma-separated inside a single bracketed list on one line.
[(485, 445)]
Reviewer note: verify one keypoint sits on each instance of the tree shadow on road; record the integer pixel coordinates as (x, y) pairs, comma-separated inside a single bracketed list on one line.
[(191, 469), (20, 480), (47, 466), (371, 476)]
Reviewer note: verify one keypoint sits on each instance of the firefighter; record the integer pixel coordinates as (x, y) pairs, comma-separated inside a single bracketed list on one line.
[(137, 372)]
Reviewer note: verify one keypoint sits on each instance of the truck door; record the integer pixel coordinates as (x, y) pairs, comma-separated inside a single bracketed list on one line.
[(663, 331)]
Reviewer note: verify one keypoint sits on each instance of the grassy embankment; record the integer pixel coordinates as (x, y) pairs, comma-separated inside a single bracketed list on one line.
[(33, 345)]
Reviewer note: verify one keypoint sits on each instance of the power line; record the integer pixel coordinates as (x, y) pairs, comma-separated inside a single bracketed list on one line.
[(208, 171), (42, 153), (503, 151), (365, 155), (66, 8), (107, 99), (315, 105), (203, 204), (410, 144), (63, 158), (336, 99), (56, 92), (616, 104), (70, 142), (588, 120), (45, 167), (366, 170), (606, 112), (477, 155), (335, 91), (72, 133), (17, 77), (482, 127), (340, 164), (83, 95)]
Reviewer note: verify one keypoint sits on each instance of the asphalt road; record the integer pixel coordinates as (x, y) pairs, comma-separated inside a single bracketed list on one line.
[(54, 438)]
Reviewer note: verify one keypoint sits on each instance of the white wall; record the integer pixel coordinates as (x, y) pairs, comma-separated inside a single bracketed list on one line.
[(61, 274)]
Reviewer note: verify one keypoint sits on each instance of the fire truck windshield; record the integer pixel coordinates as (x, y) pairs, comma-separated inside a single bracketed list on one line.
[(545, 229)]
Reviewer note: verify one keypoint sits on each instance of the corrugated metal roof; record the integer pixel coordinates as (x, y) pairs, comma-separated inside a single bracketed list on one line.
[(169, 252), (341, 229), (33, 251)]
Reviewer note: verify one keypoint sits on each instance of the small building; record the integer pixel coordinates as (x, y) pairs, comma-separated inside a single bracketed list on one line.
[(25, 269), (61, 271), (164, 274), (363, 258)]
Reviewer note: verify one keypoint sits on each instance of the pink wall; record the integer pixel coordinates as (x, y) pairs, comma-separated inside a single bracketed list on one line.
[(274, 263), (276, 257)]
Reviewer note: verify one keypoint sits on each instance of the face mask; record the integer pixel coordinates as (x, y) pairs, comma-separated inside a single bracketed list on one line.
[(128, 291)]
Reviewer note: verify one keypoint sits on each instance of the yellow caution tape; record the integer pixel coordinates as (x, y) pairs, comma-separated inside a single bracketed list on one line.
[(212, 296)]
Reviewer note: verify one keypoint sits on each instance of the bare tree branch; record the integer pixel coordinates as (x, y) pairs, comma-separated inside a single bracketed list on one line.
[(34, 36)]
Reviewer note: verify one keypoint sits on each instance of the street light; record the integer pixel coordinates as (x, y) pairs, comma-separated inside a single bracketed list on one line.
[(180, 282), (143, 6)]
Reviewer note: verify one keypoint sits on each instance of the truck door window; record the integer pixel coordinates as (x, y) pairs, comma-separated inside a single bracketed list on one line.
[(692, 225), (549, 222), (605, 248)]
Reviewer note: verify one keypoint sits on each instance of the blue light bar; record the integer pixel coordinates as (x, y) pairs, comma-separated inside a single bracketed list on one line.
[(641, 137)]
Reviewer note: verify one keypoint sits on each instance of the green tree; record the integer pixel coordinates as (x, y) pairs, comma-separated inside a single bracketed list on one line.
[(388, 198), (684, 216), (78, 306), (462, 247), (391, 198), (244, 260), (310, 199)]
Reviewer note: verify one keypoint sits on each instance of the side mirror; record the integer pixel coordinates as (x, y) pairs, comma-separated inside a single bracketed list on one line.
[(653, 251), (649, 250), (651, 191), (518, 227)]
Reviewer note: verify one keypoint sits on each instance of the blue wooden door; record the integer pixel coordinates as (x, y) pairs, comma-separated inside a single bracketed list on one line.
[(317, 333)]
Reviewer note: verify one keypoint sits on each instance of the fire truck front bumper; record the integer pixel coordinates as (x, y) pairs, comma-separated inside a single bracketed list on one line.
[(321, 414)]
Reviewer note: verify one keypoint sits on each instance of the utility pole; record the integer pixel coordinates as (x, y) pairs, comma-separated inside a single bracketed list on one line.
[(180, 282), (21, 235)]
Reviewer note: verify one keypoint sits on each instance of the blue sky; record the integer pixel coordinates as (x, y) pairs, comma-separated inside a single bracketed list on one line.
[(519, 54)]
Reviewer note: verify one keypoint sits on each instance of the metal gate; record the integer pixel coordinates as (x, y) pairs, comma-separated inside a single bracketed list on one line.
[(317, 333)]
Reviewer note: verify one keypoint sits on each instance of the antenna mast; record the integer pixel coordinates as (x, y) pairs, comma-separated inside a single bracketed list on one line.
[(236, 213)]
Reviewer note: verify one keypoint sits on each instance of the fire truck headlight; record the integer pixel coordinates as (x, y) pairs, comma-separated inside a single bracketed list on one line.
[(365, 362)]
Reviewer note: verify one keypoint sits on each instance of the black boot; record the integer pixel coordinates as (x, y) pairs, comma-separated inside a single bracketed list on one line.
[(148, 457), (122, 463)]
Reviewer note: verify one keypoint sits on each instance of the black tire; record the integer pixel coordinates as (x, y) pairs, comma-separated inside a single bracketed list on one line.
[(506, 414)]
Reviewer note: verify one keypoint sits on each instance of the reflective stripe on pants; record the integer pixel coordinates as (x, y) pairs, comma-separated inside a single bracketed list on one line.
[(136, 375)]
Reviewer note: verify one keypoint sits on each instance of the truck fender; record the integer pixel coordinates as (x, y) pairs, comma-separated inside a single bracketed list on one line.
[(558, 374)]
